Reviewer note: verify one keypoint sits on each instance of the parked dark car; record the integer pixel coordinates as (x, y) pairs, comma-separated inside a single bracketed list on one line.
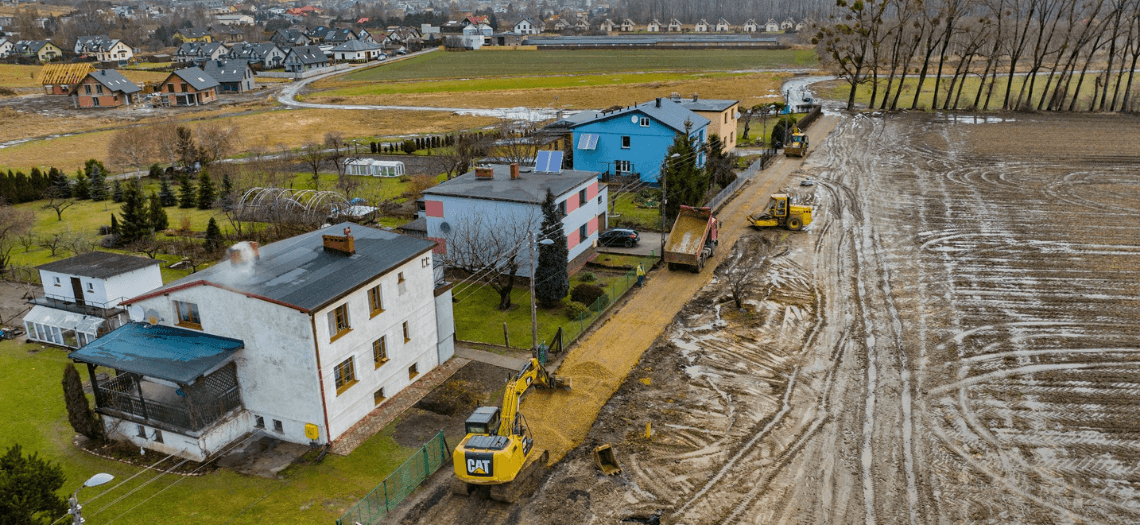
[(619, 237)]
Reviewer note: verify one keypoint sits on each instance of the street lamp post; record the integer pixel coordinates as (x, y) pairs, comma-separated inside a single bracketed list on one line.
[(533, 289), (664, 199), (73, 501)]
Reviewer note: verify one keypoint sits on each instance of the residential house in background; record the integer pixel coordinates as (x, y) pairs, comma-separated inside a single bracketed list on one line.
[(5, 47), (633, 139), (104, 49), (723, 116), (771, 26), (189, 87), (627, 26), (675, 26), (788, 24), (290, 37), (654, 26), (61, 79), (358, 51), (702, 26), (82, 296), (339, 36), (300, 340), (41, 50), (105, 88), (510, 192), (266, 55), (200, 52), (607, 25), (190, 34), (226, 33), (722, 26), (233, 76), (305, 58), (235, 20), (582, 25), (750, 26), (406, 37), (526, 26), (317, 34), (365, 35)]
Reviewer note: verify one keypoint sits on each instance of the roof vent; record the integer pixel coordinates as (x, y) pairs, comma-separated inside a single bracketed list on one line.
[(658, 101), (338, 243), (484, 172), (514, 170), (694, 97)]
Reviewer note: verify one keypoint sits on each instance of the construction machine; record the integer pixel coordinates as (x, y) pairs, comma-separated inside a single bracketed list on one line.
[(780, 212), (693, 239), (797, 146), (497, 452)]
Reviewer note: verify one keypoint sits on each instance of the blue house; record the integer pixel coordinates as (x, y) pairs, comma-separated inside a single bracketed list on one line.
[(634, 139)]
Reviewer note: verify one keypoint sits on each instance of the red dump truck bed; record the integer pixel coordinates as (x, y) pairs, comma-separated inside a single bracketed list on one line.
[(692, 239)]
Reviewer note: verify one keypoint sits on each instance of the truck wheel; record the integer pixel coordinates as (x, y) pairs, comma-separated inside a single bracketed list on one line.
[(700, 264), (672, 267), (795, 224)]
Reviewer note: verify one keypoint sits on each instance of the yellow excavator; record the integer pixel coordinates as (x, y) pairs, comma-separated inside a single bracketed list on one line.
[(497, 452), (780, 212)]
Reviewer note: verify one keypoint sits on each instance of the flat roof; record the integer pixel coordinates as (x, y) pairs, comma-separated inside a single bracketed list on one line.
[(301, 273), (529, 188), (705, 104), (163, 352), (98, 265)]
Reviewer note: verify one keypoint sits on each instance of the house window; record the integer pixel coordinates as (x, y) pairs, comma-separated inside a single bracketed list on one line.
[(95, 101), (562, 207), (87, 88), (184, 88), (726, 117), (407, 332), (339, 322), (157, 436), (378, 396), (258, 421), (90, 287), (413, 371), (277, 426), (380, 351), (625, 142), (56, 279), (375, 300), (188, 315), (141, 431), (582, 233), (582, 197), (401, 284), (644, 122), (99, 89), (622, 166), (400, 277), (345, 375)]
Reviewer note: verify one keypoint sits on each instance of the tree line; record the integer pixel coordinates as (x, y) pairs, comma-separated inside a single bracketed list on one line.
[(1044, 55)]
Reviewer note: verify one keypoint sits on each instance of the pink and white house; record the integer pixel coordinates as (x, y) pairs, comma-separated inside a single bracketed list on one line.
[(510, 190)]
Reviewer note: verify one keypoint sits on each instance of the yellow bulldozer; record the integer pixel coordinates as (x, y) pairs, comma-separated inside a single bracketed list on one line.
[(780, 212), (497, 452), (797, 146)]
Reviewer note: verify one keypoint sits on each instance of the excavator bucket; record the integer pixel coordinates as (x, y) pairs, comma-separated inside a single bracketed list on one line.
[(559, 382), (607, 462)]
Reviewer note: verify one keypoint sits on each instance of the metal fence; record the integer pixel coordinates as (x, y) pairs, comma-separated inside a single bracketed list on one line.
[(390, 492)]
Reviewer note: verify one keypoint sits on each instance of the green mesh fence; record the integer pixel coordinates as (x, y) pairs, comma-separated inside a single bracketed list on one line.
[(614, 291), (389, 493)]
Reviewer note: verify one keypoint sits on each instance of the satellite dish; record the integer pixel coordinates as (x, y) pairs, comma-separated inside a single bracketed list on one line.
[(152, 316), (633, 119), (136, 313), (445, 227)]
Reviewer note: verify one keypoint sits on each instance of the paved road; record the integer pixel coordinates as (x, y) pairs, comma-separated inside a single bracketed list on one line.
[(650, 244)]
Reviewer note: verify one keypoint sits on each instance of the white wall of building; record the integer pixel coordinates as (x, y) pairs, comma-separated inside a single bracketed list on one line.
[(445, 326), (103, 292), (415, 305), (276, 370)]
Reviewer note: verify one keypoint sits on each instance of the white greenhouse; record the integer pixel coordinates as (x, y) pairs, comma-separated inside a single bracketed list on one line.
[(373, 167)]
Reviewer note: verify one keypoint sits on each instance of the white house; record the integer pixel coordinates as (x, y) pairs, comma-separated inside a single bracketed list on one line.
[(675, 26), (654, 26), (771, 26), (504, 192), (787, 24), (702, 26), (750, 26), (722, 26), (627, 26), (235, 20), (357, 51), (5, 47), (299, 340), (607, 25), (104, 49), (526, 26), (82, 294)]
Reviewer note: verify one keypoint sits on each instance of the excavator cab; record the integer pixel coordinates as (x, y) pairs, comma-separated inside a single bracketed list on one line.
[(485, 420)]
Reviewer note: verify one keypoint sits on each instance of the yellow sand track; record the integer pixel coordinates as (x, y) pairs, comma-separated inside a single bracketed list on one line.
[(599, 364)]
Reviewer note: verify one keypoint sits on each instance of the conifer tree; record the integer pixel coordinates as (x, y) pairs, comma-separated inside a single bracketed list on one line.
[(551, 280), (98, 180), (82, 188), (83, 420), (213, 235), (187, 196), (136, 221), (116, 191), (60, 182), (165, 194), (205, 191), (158, 219), (115, 230), (685, 182)]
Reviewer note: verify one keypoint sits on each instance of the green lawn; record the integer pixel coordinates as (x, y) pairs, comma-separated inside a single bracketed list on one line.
[(32, 414), (762, 127), (375, 87), (441, 65), (477, 317), (629, 214), (840, 91)]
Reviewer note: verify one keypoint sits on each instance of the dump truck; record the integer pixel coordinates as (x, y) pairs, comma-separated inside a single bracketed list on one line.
[(780, 212), (498, 453), (692, 240), (797, 146)]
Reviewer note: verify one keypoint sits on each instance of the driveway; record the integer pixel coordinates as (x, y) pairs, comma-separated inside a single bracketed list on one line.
[(650, 244)]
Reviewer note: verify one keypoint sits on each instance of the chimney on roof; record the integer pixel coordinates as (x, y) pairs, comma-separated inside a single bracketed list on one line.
[(243, 252), (694, 97), (658, 101), (514, 170), (337, 243), (484, 172)]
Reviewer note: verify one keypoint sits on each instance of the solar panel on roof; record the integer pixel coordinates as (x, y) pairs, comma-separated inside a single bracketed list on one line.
[(588, 141), (548, 161)]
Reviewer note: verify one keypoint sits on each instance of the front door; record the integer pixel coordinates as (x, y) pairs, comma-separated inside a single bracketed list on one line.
[(77, 290)]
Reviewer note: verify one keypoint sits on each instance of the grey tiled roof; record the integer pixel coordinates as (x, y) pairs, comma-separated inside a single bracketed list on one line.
[(709, 104), (114, 81), (530, 187), (226, 70), (196, 78), (98, 265), (662, 110)]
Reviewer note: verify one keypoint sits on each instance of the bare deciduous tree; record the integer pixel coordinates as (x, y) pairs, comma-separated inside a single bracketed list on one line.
[(14, 223), (314, 156), (133, 146), (56, 201), (490, 249), (216, 141)]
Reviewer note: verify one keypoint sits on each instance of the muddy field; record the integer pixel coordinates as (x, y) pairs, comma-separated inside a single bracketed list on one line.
[(953, 340)]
